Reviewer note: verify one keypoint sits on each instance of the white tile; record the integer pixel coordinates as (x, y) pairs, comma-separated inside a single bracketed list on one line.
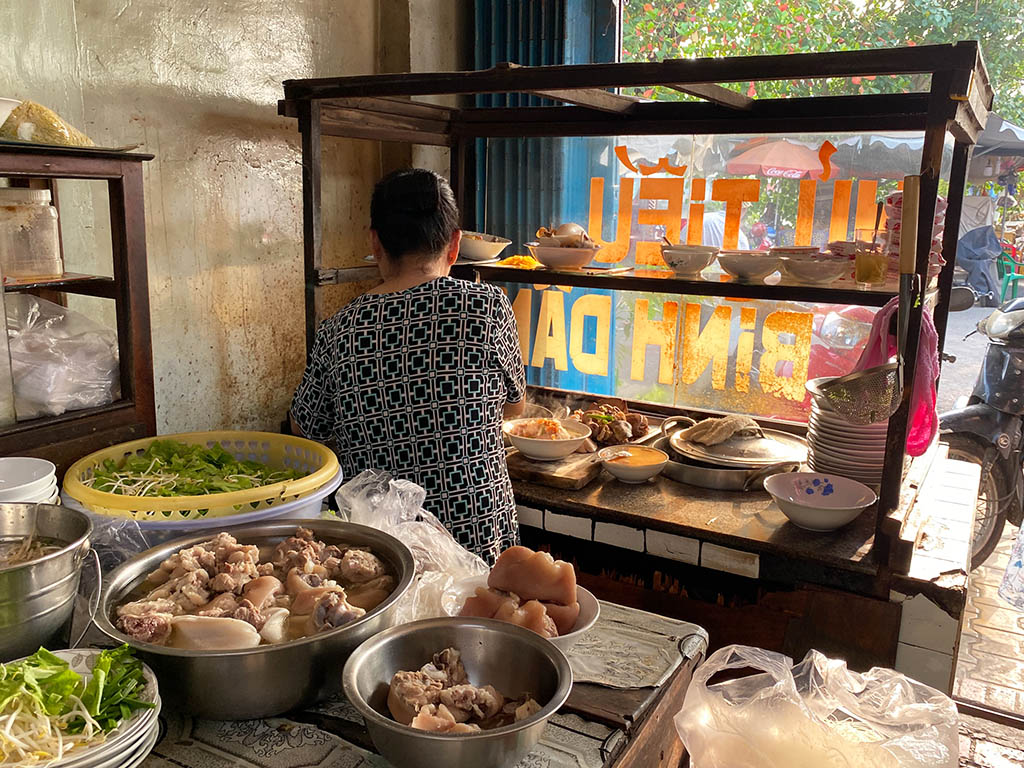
[(926, 625), (730, 560), (530, 516), (928, 667), (673, 547), (568, 525), (619, 536)]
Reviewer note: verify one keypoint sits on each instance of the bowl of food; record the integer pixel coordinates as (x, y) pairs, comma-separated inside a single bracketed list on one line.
[(479, 246), (456, 691), (254, 623), (688, 260), (546, 439), (562, 257), (815, 271), (530, 589), (42, 547), (568, 235), (633, 463), (748, 265), (817, 501)]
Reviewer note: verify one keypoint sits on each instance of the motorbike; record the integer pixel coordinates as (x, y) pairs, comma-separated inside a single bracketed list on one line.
[(989, 429)]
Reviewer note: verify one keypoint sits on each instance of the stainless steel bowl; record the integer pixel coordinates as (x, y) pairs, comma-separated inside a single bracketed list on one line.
[(268, 679), (512, 659), (37, 598)]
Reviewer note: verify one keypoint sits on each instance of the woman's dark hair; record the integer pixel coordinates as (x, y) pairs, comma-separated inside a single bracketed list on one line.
[(413, 212)]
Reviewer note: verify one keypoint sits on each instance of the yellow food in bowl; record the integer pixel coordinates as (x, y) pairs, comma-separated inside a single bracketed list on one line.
[(637, 456), (541, 429)]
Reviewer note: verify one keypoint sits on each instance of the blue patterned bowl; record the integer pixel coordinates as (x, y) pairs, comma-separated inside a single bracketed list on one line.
[(819, 501)]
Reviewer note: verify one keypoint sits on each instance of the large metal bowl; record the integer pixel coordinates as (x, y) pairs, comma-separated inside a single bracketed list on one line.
[(512, 659), (268, 679), (37, 598)]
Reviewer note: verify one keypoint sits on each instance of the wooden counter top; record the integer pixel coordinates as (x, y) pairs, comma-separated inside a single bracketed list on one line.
[(749, 521)]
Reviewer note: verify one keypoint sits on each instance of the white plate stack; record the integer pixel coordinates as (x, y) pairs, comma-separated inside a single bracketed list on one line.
[(26, 480), (128, 744), (835, 445)]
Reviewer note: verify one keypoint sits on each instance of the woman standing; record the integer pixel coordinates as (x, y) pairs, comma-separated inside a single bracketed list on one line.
[(415, 376)]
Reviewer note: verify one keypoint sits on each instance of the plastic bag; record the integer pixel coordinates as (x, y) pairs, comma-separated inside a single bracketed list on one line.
[(40, 125), (816, 714), (374, 498), (60, 359)]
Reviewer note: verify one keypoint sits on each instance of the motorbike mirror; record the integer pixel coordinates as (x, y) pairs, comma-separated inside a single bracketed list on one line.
[(960, 298)]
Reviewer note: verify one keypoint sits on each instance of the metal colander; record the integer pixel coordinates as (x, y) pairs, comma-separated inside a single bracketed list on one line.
[(865, 397)]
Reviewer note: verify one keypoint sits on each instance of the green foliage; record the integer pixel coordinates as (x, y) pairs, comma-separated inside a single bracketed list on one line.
[(664, 29)]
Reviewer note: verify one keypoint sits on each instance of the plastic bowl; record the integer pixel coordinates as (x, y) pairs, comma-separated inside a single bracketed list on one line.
[(486, 248), (562, 258), (688, 260), (815, 271), (819, 501), (539, 449), (748, 265), (629, 473)]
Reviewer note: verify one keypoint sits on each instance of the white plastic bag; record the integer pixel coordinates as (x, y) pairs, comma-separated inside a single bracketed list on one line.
[(816, 714), (374, 498), (60, 359)]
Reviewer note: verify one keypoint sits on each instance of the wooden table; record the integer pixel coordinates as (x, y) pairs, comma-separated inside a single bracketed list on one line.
[(599, 727)]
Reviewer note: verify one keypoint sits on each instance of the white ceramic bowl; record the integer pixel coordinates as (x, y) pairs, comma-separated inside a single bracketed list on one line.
[(815, 271), (488, 247), (562, 258), (629, 473), (748, 265), (817, 501), (548, 450), (455, 596), (22, 476), (688, 260)]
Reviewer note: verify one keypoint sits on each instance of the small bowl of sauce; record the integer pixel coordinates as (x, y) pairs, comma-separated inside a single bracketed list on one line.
[(633, 463)]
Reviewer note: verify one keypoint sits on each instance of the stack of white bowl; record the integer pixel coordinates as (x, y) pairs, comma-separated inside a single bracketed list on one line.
[(835, 445), (26, 480)]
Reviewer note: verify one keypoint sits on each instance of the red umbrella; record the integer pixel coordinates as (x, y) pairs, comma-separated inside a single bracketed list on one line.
[(777, 159)]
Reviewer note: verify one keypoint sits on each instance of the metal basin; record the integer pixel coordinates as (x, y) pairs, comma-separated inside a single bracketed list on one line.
[(512, 659), (268, 679), (37, 598)]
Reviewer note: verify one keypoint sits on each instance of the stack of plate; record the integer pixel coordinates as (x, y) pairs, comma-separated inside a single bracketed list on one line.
[(25, 480), (128, 744), (835, 445)]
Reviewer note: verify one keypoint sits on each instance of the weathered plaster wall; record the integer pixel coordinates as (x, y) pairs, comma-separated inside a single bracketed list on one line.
[(196, 82)]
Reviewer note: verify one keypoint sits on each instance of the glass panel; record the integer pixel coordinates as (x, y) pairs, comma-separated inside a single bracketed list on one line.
[(749, 356)]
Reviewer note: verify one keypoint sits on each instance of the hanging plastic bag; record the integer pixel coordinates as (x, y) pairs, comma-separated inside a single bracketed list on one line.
[(375, 499), (60, 359), (816, 714)]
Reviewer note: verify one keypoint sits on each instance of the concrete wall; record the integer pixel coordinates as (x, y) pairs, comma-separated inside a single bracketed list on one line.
[(196, 82)]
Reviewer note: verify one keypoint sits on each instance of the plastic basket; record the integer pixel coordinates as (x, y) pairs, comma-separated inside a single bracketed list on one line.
[(276, 451)]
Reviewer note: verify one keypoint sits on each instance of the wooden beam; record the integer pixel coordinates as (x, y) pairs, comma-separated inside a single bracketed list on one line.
[(922, 59), (595, 98), (716, 94)]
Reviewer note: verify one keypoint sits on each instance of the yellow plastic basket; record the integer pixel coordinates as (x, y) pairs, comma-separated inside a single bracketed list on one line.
[(276, 451)]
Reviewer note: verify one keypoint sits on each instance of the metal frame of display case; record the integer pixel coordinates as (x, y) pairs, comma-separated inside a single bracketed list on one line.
[(67, 437), (379, 107)]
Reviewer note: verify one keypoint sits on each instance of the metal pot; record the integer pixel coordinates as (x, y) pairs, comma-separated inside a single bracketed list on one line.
[(512, 659), (269, 679), (769, 449), (37, 598), (719, 478)]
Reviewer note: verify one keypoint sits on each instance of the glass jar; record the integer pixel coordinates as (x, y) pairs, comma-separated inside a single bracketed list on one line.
[(29, 237)]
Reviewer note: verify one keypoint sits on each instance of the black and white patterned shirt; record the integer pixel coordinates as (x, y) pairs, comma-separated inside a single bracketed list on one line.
[(414, 383)]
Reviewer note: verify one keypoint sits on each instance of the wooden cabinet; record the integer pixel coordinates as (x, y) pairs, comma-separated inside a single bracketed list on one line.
[(67, 437)]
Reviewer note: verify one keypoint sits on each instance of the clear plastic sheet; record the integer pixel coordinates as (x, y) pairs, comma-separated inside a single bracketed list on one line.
[(815, 714), (60, 359), (376, 499)]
